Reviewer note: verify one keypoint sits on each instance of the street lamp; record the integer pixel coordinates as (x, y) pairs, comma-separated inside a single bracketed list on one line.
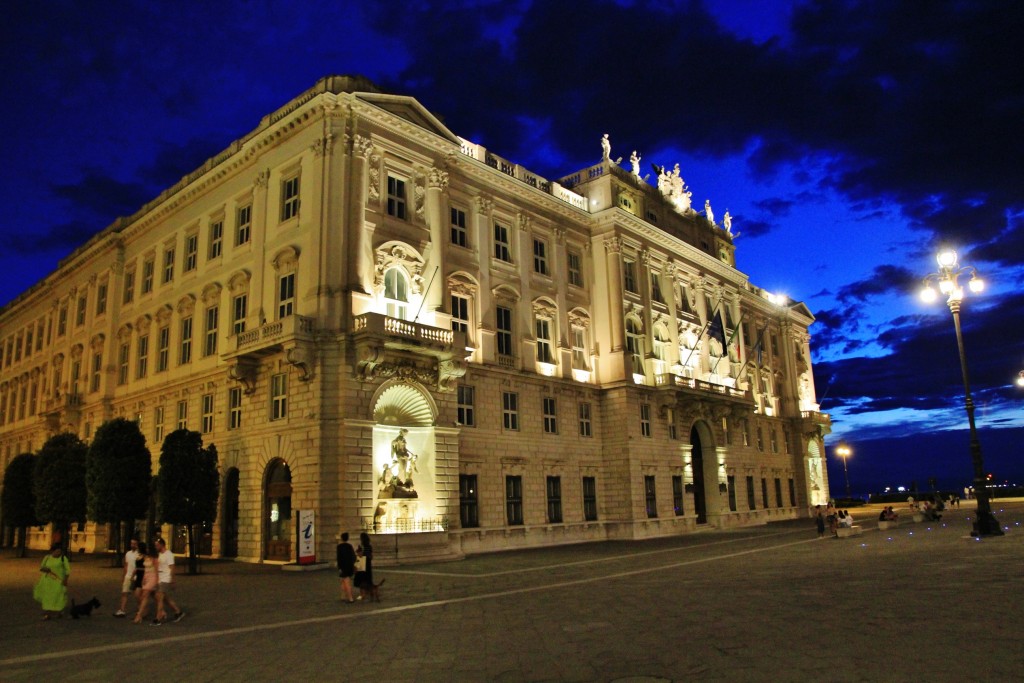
[(844, 452), (1020, 378), (946, 280)]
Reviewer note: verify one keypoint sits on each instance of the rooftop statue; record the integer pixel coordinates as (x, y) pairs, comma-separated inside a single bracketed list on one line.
[(634, 162), (673, 188), (606, 148), (727, 222), (708, 212)]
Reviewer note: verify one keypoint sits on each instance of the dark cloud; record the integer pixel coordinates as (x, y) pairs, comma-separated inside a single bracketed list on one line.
[(884, 279), (97, 194), (60, 238)]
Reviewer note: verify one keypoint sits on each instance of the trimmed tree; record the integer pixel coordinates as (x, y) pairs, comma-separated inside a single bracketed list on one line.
[(188, 485), (118, 469), (18, 500), (59, 483)]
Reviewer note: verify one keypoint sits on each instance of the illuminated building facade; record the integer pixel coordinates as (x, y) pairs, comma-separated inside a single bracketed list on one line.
[(388, 325)]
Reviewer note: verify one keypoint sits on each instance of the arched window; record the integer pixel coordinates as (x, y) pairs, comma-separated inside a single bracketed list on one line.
[(660, 342), (396, 293)]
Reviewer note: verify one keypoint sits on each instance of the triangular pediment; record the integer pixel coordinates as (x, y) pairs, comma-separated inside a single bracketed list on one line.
[(411, 110)]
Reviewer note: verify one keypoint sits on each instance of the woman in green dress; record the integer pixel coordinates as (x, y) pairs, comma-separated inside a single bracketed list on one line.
[(51, 590)]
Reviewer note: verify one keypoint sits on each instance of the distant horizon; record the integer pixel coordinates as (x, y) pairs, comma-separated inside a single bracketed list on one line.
[(876, 463)]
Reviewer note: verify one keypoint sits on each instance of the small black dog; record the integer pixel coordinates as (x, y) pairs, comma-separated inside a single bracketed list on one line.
[(85, 609)]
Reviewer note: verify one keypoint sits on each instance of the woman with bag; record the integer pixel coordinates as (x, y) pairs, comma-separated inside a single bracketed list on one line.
[(51, 591), (364, 567), (150, 572)]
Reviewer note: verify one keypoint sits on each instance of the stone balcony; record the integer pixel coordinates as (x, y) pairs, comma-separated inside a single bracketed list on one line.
[(389, 347), (294, 336), (692, 398)]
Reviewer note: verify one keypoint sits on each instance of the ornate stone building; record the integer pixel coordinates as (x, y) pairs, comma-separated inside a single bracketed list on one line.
[(394, 328)]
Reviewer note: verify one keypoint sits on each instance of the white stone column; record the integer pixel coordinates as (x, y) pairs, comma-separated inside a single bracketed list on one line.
[(437, 184)]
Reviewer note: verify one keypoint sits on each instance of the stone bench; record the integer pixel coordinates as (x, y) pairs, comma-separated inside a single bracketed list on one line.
[(887, 524), (846, 531), (918, 517)]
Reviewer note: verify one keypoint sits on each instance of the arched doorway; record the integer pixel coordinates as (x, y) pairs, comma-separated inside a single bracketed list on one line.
[(277, 511), (700, 499), (229, 516)]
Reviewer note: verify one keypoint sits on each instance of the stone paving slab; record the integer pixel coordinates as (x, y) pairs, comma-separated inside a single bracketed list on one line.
[(769, 603)]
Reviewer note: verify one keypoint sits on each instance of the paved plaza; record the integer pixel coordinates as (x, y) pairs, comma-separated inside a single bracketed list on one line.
[(770, 603)]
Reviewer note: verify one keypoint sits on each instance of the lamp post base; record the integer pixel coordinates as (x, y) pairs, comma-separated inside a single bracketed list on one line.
[(986, 525)]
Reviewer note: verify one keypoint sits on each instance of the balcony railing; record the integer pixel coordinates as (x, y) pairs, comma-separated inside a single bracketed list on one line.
[(698, 385), (404, 332), (480, 153), (274, 333)]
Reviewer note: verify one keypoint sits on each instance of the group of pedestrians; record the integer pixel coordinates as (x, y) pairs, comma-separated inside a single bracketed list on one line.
[(149, 574), (355, 567), (833, 518)]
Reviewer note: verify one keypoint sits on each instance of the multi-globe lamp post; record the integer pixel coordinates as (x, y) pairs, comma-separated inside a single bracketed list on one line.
[(844, 452), (946, 281)]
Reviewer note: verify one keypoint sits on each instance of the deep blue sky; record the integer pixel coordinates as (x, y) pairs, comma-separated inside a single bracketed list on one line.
[(849, 140)]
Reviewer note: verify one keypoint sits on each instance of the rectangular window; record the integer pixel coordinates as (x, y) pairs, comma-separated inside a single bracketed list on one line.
[(786, 441), (751, 502), (725, 431), (554, 488), (396, 197), (543, 326), (589, 499), (28, 342), (148, 267), (650, 498), (502, 249), (645, 419), (575, 268), (540, 257), (504, 330), (182, 415), (731, 488), (469, 503), (285, 295), (191, 252), (168, 274), (792, 493), (142, 358), (101, 299), (677, 494), (76, 372), (234, 408), (216, 239), (210, 332), (80, 311), (239, 309), (158, 424), (583, 411), (163, 348), (458, 227), (97, 371), (460, 314), (760, 439), (289, 198), (510, 410), (514, 499), (185, 351), (278, 396), (629, 276), (764, 492), (670, 419), (466, 406), (129, 287), (207, 421), (62, 320), (243, 224), (656, 294), (122, 364), (550, 416), (778, 492), (579, 348), (773, 440)]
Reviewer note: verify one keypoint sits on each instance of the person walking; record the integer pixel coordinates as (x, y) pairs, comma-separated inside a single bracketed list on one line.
[(127, 581), (150, 579), (346, 567), (164, 594), (51, 591), (819, 521), (365, 581)]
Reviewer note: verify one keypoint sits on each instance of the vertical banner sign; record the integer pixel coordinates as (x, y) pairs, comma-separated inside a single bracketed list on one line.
[(307, 537)]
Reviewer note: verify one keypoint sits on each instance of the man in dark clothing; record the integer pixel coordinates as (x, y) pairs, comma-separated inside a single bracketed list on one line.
[(346, 567)]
